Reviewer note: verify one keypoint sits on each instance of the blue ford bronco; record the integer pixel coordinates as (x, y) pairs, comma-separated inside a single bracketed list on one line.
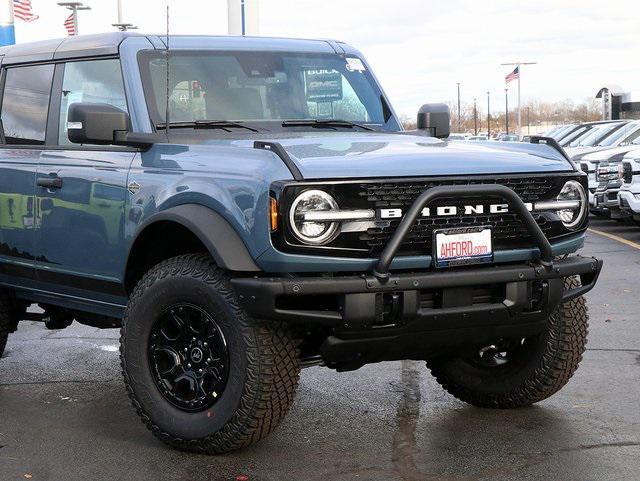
[(244, 207)]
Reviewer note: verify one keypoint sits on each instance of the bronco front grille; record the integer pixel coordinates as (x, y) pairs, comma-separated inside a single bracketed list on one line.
[(391, 194), (508, 231)]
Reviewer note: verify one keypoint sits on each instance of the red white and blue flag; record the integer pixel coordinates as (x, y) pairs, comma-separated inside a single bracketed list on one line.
[(513, 75), (70, 25), (22, 10)]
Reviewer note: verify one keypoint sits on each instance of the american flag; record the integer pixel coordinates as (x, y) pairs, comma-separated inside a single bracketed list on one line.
[(22, 10), (70, 25), (513, 75)]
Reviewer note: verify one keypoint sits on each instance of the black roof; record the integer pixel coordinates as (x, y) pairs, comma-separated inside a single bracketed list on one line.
[(64, 48)]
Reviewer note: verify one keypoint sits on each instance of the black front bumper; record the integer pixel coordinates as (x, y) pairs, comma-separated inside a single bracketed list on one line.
[(412, 314), (356, 303)]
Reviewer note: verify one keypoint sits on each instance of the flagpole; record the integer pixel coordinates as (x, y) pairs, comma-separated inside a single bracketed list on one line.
[(519, 67), (122, 25), (7, 29), (74, 7)]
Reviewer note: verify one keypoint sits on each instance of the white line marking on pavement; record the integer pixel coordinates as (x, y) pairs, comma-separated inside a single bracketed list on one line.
[(110, 348), (615, 238)]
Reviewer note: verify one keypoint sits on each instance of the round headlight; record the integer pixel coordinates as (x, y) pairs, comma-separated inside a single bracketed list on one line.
[(572, 192), (313, 232)]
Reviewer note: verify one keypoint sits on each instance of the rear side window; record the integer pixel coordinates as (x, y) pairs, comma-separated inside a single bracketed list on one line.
[(25, 103), (94, 81)]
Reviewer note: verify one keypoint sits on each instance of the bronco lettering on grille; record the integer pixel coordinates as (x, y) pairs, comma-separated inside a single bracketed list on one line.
[(451, 210)]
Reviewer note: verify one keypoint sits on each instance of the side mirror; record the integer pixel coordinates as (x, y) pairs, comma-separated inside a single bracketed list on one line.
[(89, 123), (436, 119)]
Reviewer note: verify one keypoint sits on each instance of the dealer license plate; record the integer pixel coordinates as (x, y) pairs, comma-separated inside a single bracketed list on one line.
[(462, 246)]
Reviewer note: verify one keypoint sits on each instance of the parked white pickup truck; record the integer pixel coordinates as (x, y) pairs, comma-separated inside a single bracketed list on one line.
[(602, 170), (629, 194)]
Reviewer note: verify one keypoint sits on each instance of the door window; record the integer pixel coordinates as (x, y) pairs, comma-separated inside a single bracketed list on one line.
[(25, 104), (94, 81)]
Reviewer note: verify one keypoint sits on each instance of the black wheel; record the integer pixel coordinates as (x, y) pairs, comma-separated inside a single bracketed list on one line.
[(202, 375), (8, 321), (521, 372), (57, 318)]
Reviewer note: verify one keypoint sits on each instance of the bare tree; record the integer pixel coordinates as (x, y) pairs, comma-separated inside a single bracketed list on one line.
[(536, 114)]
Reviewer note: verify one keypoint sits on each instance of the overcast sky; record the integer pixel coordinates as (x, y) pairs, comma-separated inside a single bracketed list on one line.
[(419, 49)]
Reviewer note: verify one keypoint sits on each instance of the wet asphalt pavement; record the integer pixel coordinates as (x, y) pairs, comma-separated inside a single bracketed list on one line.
[(64, 414)]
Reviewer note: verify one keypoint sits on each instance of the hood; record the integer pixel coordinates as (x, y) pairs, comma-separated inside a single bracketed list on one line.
[(610, 154), (633, 154), (366, 155), (577, 153)]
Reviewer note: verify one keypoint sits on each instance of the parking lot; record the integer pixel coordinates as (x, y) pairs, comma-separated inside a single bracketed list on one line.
[(65, 413)]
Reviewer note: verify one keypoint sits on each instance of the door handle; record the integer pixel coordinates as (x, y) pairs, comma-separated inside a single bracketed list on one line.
[(50, 182)]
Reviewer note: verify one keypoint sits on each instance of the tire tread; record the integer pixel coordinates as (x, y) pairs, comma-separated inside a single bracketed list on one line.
[(7, 321)]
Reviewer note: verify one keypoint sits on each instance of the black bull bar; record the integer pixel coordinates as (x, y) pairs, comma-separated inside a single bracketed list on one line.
[(381, 271)]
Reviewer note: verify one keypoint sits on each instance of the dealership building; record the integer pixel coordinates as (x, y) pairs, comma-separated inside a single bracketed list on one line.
[(618, 103)]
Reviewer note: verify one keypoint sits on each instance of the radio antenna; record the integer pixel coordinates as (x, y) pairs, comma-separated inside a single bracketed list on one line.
[(167, 118)]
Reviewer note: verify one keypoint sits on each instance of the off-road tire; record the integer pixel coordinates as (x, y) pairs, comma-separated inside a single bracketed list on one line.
[(7, 319), (264, 367), (556, 356)]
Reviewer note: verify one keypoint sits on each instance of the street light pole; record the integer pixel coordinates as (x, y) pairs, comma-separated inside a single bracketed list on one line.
[(506, 109), (458, 84), (74, 7), (488, 117), (475, 117)]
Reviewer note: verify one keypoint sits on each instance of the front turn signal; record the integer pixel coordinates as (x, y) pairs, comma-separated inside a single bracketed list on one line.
[(273, 213)]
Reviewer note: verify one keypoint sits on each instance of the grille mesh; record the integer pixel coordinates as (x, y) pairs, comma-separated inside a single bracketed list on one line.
[(627, 172)]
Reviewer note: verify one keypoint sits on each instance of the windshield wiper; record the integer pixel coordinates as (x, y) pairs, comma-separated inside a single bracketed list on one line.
[(206, 124), (324, 123)]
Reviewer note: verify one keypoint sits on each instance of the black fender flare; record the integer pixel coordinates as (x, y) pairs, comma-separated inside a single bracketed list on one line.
[(214, 231)]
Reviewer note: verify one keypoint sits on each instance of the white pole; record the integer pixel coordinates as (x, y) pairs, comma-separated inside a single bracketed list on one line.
[(519, 118), (75, 20), (7, 31), (120, 11), (8, 13)]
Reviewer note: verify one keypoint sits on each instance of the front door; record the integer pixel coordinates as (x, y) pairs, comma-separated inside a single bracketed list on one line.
[(81, 193), (25, 103)]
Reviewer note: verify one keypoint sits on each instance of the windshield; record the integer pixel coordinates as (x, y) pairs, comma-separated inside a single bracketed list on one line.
[(554, 132), (559, 134), (594, 135), (626, 133), (579, 132), (259, 87)]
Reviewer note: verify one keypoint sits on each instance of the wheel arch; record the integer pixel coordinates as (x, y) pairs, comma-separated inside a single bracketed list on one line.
[(182, 229)]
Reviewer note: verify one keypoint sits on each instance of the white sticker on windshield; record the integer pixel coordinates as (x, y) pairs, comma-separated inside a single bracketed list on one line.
[(355, 65)]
